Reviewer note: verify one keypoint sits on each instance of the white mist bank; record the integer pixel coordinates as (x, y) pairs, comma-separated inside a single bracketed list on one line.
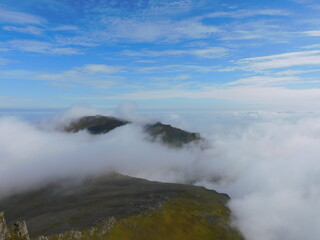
[(269, 164)]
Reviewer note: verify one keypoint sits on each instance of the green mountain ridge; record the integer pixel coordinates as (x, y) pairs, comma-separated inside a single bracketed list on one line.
[(115, 206)]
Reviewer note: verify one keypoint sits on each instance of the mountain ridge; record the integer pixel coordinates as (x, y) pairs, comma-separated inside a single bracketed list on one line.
[(115, 205), (156, 132)]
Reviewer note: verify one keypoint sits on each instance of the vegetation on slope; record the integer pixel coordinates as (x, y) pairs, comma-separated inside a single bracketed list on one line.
[(196, 214), (121, 207)]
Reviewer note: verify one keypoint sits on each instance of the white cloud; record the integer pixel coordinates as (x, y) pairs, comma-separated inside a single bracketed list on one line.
[(211, 52), (244, 13), (7, 16), (28, 29), (93, 75), (176, 68), (39, 47), (285, 60), (150, 31), (295, 72), (311, 46), (276, 193), (101, 68), (252, 95), (180, 77), (72, 150), (167, 8), (65, 28), (266, 81), (268, 163), (39, 31), (258, 29), (315, 33), (135, 29)]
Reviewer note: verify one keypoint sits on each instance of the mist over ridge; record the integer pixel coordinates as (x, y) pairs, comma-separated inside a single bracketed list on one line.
[(267, 162)]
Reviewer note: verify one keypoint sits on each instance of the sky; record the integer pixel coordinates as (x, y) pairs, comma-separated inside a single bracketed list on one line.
[(178, 54)]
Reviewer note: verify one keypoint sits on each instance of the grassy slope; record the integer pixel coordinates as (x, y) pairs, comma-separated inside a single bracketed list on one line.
[(195, 214), (66, 205), (119, 207)]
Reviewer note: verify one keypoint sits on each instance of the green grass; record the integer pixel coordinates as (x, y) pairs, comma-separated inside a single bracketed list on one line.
[(194, 215)]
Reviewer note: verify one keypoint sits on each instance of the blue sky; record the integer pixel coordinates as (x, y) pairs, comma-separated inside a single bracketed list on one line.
[(182, 54)]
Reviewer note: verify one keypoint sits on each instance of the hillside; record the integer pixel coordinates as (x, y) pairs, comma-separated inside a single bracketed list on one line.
[(120, 207)]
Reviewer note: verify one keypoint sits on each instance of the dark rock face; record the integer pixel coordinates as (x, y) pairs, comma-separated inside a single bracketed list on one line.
[(95, 124)]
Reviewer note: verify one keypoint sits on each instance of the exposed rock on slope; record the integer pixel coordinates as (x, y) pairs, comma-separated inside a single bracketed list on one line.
[(16, 231), (171, 136), (121, 207)]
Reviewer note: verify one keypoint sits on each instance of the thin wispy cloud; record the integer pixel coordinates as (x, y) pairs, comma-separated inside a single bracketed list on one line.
[(28, 29), (311, 46), (314, 33), (65, 28), (266, 81), (7, 16), (212, 52), (284, 60), (245, 13), (42, 47), (93, 75), (137, 30), (177, 44), (279, 96), (262, 30), (35, 30), (175, 68)]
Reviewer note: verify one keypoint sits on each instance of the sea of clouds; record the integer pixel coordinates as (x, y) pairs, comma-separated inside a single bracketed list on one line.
[(268, 162)]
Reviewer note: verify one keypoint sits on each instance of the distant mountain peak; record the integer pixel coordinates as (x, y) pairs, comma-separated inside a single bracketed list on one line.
[(164, 133), (95, 124), (171, 135)]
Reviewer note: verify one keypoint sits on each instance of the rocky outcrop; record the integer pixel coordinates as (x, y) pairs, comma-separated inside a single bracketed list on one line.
[(3, 226), (17, 231)]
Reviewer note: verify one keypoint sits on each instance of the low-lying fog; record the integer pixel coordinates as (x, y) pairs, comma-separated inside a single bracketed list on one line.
[(269, 163)]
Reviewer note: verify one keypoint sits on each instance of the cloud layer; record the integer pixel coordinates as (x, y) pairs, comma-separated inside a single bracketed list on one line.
[(266, 161)]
